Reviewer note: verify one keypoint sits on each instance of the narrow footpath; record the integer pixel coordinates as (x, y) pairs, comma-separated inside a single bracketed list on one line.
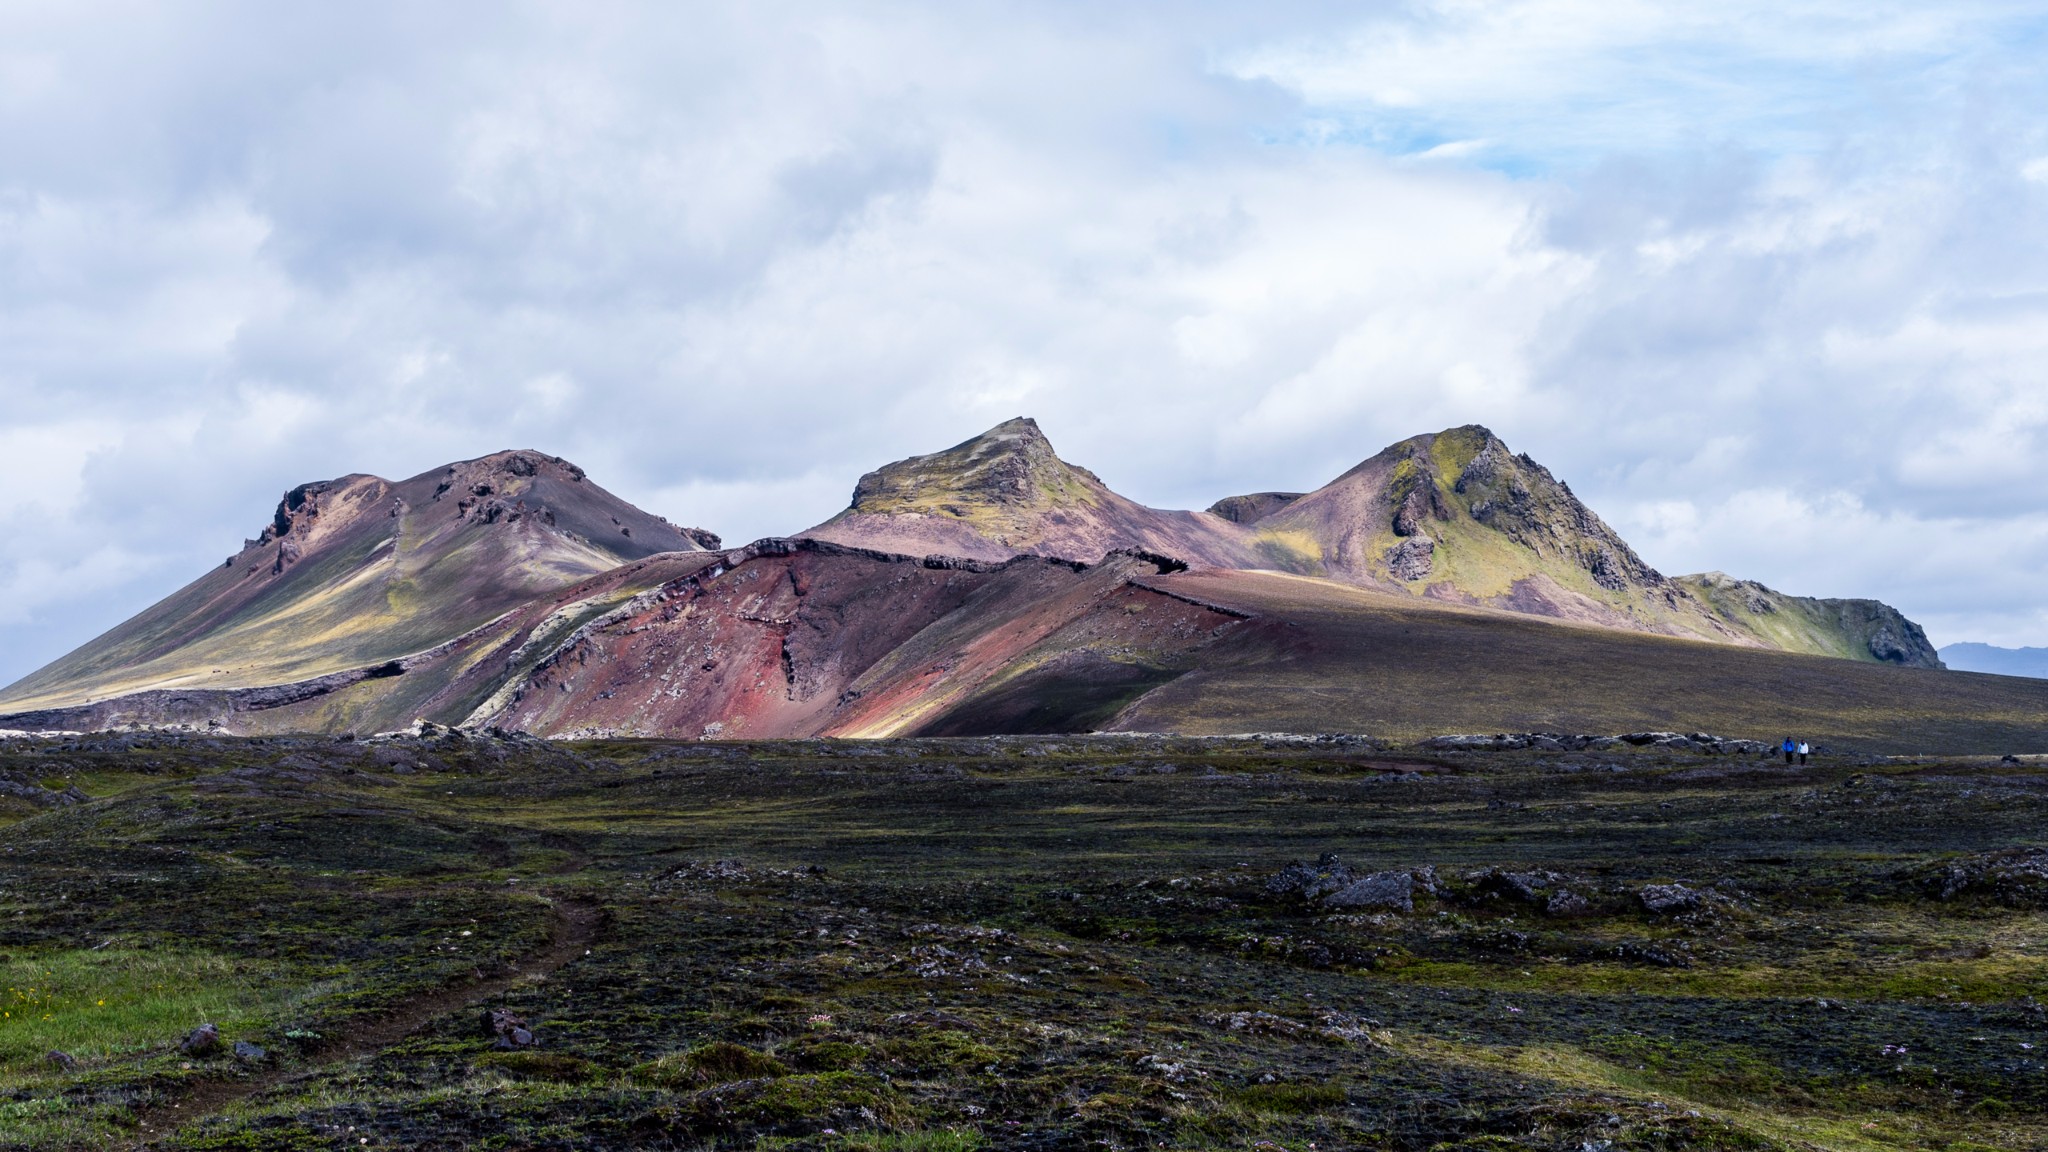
[(572, 927)]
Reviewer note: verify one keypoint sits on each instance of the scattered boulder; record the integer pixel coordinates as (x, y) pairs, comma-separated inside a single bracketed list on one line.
[(1646, 952), (1311, 881), (1376, 890), (250, 1053), (1331, 883), (62, 1061), (508, 1030), (1536, 887), (1526, 887), (2015, 878), (201, 1041), (1566, 903), (40, 796), (1668, 898), (1516, 741)]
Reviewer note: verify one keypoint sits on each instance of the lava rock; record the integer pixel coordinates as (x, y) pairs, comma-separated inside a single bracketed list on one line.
[(508, 1029), (1312, 881), (250, 1053), (1412, 558), (63, 1061), (201, 1041), (1663, 898), (1376, 890), (1566, 903)]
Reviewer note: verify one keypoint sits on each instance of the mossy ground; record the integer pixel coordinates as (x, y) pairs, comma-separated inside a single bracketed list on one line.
[(960, 944)]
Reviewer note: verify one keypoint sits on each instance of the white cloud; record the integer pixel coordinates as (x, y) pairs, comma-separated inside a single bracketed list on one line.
[(730, 258), (42, 467)]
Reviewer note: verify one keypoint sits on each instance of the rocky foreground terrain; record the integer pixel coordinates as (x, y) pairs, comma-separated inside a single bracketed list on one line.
[(1527, 941)]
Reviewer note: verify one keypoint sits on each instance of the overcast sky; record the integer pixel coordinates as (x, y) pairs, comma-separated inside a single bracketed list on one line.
[(1766, 283)]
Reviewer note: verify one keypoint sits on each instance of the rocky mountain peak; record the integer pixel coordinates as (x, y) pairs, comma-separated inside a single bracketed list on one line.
[(1519, 498), (1012, 467)]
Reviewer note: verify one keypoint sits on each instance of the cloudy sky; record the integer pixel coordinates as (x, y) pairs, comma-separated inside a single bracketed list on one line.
[(1767, 283)]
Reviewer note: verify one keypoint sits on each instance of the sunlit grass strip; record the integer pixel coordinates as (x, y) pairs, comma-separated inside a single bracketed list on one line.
[(1867, 1130), (98, 1004), (1983, 981)]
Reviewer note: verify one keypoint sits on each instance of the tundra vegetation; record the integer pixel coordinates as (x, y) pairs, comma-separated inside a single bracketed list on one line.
[(949, 944)]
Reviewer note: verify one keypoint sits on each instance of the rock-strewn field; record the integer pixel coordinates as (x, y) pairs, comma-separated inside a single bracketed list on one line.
[(452, 942)]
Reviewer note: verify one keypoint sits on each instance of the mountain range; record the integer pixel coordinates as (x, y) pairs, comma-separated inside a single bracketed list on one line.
[(1971, 657), (1444, 584), (1455, 516)]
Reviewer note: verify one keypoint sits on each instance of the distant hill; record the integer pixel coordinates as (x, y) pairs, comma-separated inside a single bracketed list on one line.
[(1454, 516), (1972, 657)]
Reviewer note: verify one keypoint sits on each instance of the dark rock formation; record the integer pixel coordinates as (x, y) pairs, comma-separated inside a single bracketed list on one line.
[(1412, 558), (1253, 506), (201, 1041)]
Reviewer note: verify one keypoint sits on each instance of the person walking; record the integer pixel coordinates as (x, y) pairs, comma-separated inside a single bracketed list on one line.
[(1790, 748), (1803, 749)]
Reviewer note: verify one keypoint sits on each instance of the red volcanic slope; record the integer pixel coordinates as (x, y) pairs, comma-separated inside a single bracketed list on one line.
[(806, 638)]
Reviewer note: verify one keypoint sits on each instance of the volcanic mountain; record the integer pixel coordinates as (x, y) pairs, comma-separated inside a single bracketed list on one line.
[(1455, 516), (1443, 585), (357, 573)]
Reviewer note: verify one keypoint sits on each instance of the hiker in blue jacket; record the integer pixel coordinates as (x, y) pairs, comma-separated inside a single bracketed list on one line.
[(1790, 748)]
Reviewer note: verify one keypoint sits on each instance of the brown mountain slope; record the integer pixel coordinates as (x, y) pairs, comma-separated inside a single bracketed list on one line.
[(355, 572), (1316, 655), (1007, 493)]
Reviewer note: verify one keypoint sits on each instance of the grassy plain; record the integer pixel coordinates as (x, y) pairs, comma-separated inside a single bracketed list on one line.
[(1020, 943)]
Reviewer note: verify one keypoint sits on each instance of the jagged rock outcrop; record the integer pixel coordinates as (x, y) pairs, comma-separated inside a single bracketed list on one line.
[(1253, 506)]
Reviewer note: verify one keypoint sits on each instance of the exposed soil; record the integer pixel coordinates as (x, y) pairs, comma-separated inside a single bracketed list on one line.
[(572, 928)]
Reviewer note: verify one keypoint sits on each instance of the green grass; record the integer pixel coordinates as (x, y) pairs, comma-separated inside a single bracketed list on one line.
[(97, 1004)]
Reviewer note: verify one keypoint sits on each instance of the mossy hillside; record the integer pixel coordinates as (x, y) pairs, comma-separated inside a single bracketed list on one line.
[(1505, 519), (1851, 629), (944, 943), (1504, 532), (1001, 482)]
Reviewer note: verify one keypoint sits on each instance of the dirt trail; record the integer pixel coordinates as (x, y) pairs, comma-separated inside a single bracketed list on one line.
[(574, 925)]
